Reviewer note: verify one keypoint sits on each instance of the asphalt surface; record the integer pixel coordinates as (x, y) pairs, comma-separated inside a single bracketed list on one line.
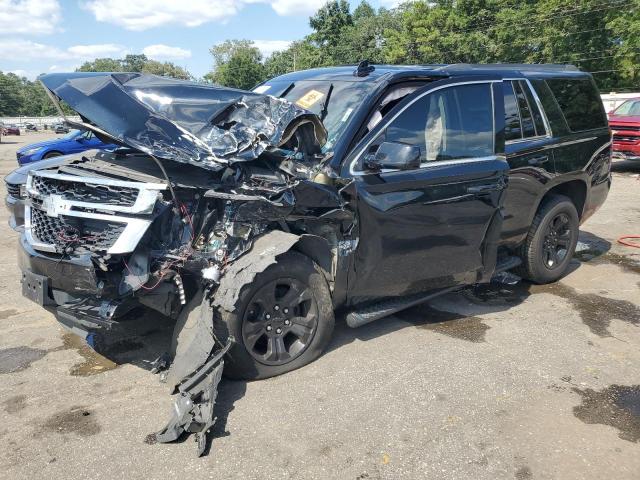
[(504, 382)]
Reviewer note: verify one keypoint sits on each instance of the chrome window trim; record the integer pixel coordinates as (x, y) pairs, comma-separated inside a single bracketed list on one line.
[(357, 156), (545, 120)]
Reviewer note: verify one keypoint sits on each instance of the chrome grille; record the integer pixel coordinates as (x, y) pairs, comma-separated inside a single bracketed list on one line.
[(69, 234), (86, 192), (13, 189)]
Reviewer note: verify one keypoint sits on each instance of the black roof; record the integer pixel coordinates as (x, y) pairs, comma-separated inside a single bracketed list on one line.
[(346, 72)]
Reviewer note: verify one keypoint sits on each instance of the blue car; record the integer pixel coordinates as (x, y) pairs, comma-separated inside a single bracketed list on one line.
[(73, 142)]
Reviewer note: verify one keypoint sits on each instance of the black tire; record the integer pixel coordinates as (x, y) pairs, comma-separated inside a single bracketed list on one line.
[(292, 269), (536, 252), (51, 155)]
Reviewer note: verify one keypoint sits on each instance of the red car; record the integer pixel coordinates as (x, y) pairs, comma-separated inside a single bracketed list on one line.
[(10, 130), (625, 125)]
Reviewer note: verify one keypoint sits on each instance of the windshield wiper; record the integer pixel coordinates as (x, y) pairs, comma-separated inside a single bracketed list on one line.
[(323, 112)]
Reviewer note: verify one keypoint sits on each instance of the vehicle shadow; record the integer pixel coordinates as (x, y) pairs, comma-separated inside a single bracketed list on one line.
[(626, 166), (460, 314), (4, 142)]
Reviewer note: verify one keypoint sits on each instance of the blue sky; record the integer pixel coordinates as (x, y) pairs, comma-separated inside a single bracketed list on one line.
[(41, 36)]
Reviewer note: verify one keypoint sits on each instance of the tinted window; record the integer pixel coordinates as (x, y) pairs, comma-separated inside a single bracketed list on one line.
[(533, 106), (528, 130), (550, 106), (580, 103), (512, 130), (451, 123)]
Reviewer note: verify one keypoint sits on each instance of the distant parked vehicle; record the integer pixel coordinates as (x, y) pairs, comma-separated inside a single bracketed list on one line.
[(74, 142), (31, 127), (10, 130), (625, 126), (60, 128)]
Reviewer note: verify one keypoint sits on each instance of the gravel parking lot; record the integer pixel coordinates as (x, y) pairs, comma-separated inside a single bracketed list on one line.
[(502, 382)]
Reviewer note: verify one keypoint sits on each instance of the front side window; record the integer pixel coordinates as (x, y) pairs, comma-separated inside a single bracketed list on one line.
[(451, 123)]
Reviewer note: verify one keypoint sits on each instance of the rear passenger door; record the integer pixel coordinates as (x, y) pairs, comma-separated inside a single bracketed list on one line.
[(527, 145), (437, 223)]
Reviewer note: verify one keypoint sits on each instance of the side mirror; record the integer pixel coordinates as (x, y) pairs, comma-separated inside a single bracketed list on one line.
[(393, 155)]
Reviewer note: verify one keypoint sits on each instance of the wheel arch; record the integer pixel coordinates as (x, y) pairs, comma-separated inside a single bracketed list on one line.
[(575, 190), (263, 253), (48, 154)]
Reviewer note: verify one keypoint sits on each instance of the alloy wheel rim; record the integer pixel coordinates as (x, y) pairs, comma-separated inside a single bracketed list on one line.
[(557, 240), (280, 321)]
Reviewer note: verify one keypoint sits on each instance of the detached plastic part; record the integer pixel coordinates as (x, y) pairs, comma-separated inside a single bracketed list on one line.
[(193, 409)]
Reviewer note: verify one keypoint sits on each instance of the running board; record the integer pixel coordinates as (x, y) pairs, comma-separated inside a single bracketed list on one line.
[(388, 307)]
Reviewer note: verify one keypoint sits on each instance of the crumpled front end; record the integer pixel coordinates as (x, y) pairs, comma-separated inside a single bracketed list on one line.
[(212, 186), (204, 125)]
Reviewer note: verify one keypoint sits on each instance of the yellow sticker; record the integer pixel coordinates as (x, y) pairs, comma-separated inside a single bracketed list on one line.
[(309, 98)]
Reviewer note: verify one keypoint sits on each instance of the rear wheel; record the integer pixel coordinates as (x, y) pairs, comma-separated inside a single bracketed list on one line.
[(551, 241), (282, 321)]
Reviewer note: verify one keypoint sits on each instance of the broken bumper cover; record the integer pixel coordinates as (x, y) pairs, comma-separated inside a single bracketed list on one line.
[(70, 288)]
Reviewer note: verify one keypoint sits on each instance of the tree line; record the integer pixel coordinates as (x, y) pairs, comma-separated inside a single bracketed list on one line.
[(599, 36), (22, 97)]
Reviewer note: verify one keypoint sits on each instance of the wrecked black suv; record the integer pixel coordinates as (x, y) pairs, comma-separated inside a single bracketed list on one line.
[(250, 217)]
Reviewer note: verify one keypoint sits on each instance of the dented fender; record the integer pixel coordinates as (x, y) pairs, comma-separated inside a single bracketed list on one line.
[(261, 255)]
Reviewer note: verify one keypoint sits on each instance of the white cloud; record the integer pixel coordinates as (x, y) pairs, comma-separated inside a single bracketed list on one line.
[(97, 51), (27, 50), (33, 17), (267, 47), (296, 7), (145, 14), (165, 52)]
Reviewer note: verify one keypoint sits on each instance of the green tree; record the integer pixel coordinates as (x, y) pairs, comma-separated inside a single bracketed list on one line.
[(101, 65), (328, 23), (237, 64), (135, 63)]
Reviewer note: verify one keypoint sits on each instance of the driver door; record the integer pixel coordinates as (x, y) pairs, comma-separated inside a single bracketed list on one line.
[(434, 223)]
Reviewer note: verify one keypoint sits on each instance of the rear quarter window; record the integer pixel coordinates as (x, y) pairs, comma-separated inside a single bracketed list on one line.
[(580, 103)]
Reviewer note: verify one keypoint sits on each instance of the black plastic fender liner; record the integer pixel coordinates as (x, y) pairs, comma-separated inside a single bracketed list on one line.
[(195, 372), (263, 253), (193, 410)]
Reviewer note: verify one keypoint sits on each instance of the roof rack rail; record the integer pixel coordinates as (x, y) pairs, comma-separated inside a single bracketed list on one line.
[(513, 66)]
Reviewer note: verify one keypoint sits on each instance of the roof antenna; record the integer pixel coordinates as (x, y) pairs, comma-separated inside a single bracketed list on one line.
[(363, 69)]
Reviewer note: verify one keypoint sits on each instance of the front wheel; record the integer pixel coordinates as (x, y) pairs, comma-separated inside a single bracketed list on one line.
[(283, 320), (551, 241)]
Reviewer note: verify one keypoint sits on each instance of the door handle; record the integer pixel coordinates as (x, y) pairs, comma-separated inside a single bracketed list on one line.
[(539, 160), (480, 189)]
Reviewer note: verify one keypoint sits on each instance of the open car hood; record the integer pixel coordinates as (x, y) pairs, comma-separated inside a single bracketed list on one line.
[(205, 125)]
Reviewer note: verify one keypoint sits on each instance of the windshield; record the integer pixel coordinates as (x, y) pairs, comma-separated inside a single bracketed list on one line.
[(628, 108), (71, 135), (344, 98)]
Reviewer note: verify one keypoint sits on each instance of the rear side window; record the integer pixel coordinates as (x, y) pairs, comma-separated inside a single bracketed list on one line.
[(523, 118), (511, 115), (580, 103), (451, 123)]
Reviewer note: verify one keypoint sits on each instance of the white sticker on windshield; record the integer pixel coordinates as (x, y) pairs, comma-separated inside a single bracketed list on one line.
[(346, 115), (261, 89)]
